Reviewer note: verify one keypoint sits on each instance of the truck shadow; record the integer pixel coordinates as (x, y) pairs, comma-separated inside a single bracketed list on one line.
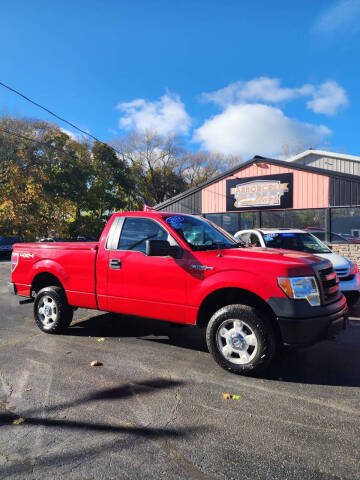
[(45, 416), (123, 326), (334, 362)]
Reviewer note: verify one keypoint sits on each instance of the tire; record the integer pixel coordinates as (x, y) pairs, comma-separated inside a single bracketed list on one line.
[(241, 340), (52, 312)]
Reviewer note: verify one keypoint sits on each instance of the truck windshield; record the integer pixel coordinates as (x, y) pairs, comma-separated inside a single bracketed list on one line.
[(303, 242), (200, 234)]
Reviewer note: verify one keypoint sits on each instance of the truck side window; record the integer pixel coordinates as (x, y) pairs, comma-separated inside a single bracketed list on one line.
[(136, 231)]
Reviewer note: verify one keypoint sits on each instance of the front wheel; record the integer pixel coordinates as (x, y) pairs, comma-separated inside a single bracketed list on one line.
[(240, 339), (52, 312)]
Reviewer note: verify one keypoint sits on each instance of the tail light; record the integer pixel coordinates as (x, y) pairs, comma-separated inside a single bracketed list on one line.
[(14, 261)]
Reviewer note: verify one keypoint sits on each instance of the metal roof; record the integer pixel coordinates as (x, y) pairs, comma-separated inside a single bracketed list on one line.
[(323, 153), (258, 159)]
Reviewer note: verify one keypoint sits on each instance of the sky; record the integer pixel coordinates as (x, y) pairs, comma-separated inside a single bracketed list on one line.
[(237, 77)]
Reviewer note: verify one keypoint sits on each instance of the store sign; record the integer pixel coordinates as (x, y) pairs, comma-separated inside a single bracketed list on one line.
[(270, 191)]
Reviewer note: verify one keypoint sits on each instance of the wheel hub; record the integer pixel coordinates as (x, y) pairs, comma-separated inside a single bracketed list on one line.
[(237, 341), (48, 310)]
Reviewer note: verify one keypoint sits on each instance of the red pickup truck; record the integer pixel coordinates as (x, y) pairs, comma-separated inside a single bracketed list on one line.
[(184, 269)]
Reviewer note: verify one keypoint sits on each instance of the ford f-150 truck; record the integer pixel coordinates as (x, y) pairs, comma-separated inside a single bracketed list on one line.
[(184, 269)]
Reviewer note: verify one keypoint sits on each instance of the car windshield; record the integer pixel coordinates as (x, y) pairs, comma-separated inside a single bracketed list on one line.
[(199, 233), (301, 241)]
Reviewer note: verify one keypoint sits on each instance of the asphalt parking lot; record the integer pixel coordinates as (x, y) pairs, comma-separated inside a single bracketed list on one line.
[(155, 408)]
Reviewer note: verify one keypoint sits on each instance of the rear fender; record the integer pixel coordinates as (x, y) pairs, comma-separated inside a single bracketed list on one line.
[(52, 267)]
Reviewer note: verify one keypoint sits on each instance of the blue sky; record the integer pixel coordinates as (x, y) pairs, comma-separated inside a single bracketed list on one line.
[(236, 77)]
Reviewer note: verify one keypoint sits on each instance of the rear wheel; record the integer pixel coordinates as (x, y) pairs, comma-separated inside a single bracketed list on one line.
[(52, 312), (240, 339)]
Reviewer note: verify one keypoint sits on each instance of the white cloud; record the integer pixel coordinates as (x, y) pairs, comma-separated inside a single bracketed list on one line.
[(166, 116), (341, 17), (328, 98), (250, 129), (71, 134), (263, 89)]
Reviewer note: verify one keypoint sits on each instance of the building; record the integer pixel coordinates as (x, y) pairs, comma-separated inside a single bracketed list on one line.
[(315, 190), (337, 162)]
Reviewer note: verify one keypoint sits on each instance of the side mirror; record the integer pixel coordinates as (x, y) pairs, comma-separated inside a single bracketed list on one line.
[(162, 248)]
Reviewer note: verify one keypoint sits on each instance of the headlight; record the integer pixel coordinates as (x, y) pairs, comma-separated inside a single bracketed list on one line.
[(301, 287), (353, 268)]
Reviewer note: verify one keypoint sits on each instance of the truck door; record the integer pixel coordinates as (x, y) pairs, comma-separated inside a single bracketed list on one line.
[(141, 285)]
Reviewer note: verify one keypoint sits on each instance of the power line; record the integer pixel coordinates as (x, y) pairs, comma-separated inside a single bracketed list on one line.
[(57, 116), (69, 123), (23, 137)]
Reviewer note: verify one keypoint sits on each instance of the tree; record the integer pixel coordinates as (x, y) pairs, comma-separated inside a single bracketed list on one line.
[(202, 166), (109, 183), (43, 180), (54, 184), (161, 167), (155, 165)]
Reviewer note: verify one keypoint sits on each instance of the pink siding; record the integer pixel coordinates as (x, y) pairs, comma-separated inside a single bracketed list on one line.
[(310, 190)]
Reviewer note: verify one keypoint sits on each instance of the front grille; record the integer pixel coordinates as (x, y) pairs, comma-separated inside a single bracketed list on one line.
[(329, 284), (342, 272)]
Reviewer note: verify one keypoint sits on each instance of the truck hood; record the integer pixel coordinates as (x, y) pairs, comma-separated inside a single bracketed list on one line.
[(280, 262)]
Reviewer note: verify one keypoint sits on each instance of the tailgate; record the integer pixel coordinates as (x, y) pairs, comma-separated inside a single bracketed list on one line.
[(71, 263)]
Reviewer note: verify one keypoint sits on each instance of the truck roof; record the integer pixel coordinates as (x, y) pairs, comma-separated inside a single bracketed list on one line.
[(151, 214), (276, 230)]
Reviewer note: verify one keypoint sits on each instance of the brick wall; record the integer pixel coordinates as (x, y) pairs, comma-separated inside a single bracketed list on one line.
[(348, 250)]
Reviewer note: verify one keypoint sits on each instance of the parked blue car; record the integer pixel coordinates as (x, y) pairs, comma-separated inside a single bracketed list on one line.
[(6, 245)]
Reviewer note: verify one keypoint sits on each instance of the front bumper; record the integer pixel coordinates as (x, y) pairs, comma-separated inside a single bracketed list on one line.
[(12, 288), (301, 325), (352, 285)]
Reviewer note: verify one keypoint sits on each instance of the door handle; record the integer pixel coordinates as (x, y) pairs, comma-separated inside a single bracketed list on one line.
[(115, 264)]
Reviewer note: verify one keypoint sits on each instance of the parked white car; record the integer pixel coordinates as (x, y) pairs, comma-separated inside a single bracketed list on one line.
[(300, 240)]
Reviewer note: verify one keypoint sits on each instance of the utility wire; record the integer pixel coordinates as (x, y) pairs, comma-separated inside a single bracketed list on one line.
[(23, 137), (57, 116), (69, 123)]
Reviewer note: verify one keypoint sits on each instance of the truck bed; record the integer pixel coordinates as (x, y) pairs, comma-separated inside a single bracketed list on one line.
[(72, 262)]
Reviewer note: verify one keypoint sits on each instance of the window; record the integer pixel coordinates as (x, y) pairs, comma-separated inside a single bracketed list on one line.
[(198, 233), (215, 218), (345, 223), (254, 240), (233, 222), (303, 242), (245, 237), (334, 238), (136, 231), (309, 219), (338, 238)]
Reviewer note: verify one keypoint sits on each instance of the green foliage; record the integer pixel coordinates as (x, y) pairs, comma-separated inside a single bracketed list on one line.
[(63, 186)]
